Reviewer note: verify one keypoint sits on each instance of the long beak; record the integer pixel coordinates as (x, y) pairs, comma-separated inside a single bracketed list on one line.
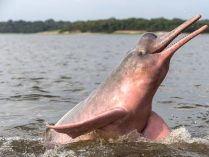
[(164, 41), (168, 53)]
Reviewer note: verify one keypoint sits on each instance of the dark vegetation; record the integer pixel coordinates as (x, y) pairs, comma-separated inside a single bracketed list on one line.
[(31, 27), (104, 26)]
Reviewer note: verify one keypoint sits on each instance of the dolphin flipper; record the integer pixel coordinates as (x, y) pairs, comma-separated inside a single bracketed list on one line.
[(76, 129)]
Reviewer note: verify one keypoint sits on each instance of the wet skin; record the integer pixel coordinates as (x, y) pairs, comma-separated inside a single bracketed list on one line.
[(123, 102)]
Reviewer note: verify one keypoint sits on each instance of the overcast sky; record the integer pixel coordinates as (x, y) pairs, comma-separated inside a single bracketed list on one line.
[(73, 10)]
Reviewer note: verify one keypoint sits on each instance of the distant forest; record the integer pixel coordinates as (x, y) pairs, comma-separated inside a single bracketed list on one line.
[(104, 26)]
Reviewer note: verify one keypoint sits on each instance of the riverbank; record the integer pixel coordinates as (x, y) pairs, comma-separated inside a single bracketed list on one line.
[(125, 32), (119, 32)]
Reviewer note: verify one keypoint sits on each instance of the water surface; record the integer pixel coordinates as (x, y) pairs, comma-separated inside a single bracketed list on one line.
[(42, 77)]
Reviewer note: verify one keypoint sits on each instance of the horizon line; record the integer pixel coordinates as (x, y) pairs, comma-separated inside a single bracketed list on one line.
[(15, 20)]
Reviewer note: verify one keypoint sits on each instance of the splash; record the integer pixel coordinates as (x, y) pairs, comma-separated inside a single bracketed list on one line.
[(178, 143), (182, 135), (18, 146), (179, 135)]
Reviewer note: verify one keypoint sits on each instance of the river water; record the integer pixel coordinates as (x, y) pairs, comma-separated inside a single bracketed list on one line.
[(44, 76)]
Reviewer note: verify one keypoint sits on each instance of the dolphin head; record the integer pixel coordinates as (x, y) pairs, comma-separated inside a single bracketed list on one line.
[(148, 62), (151, 43)]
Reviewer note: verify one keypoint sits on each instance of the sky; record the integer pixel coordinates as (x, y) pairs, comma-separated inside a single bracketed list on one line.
[(73, 10)]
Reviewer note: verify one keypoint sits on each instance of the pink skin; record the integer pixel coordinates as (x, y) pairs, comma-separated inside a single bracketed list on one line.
[(123, 103), (156, 128)]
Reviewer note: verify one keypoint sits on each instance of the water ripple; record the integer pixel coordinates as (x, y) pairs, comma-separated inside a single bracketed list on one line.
[(31, 97)]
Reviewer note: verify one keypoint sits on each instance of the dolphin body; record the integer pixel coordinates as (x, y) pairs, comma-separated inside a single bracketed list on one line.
[(123, 102)]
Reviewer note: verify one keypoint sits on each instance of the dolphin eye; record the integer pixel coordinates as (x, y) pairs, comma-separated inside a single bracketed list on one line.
[(141, 52)]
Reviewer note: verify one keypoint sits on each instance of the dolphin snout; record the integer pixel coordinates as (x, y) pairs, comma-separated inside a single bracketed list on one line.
[(163, 41), (151, 43)]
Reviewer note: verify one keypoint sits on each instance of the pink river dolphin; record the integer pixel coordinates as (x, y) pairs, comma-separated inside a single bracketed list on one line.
[(123, 102)]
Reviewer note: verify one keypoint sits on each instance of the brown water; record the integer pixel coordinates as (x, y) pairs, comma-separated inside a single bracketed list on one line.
[(42, 77)]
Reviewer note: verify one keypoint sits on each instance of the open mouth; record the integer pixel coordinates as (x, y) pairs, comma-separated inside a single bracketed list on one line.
[(162, 42)]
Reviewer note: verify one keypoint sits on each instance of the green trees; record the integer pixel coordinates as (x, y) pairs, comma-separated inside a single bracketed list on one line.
[(31, 27), (111, 25), (106, 26)]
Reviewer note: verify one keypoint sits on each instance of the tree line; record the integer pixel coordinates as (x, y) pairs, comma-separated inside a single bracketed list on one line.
[(32, 27), (104, 26)]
